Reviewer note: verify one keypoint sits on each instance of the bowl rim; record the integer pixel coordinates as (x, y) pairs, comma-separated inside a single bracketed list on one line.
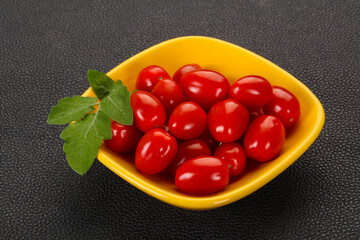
[(216, 200)]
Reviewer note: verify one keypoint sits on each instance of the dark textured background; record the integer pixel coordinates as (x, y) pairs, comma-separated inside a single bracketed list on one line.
[(46, 49)]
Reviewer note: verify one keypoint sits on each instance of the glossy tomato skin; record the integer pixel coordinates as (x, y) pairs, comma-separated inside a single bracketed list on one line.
[(209, 140), (187, 121), (234, 154), (283, 105), (124, 138), (155, 151), (147, 110), (251, 91), (202, 175), (264, 138), (227, 120), (184, 69), (169, 93), (186, 151), (204, 87), (149, 77)]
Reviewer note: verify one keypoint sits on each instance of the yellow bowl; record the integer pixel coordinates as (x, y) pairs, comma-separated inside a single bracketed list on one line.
[(233, 62)]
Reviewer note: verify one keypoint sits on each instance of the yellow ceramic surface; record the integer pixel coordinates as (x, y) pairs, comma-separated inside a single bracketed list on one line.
[(233, 62)]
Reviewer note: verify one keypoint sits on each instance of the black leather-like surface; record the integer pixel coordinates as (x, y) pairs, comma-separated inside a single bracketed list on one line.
[(46, 49)]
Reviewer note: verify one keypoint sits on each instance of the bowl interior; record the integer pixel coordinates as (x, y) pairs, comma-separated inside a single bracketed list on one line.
[(233, 62)]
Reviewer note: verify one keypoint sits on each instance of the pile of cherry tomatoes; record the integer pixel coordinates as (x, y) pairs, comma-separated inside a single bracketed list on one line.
[(200, 129)]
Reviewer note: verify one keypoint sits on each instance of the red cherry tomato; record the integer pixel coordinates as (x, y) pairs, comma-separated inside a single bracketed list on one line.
[(155, 151), (283, 105), (184, 69), (227, 120), (234, 155), (204, 87), (255, 113), (124, 138), (251, 91), (169, 94), (209, 140), (166, 127), (264, 138), (188, 150), (202, 175), (148, 111), (150, 76), (187, 121)]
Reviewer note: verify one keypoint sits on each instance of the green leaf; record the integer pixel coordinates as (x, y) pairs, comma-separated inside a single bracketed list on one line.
[(71, 109), (117, 104), (83, 139), (135, 90), (100, 83)]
